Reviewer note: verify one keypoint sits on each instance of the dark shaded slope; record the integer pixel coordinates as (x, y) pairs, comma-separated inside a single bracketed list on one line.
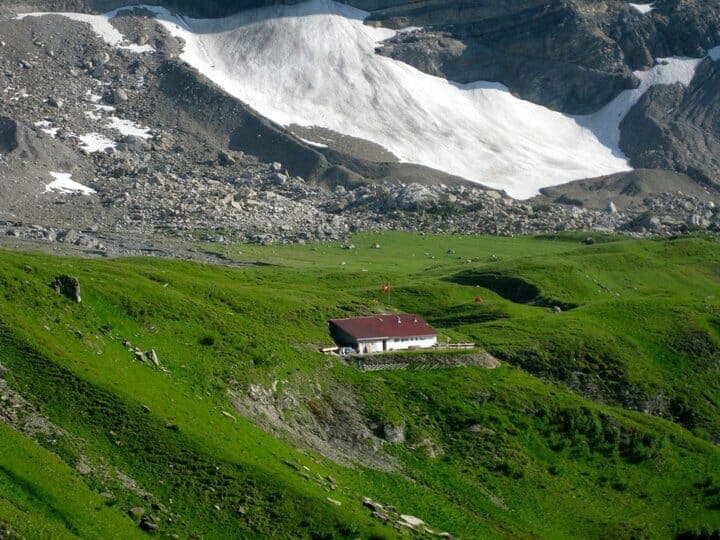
[(673, 127), (572, 56), (195, 105)]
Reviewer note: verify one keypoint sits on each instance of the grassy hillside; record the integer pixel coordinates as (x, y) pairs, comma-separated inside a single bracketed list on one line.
[(600, 422)]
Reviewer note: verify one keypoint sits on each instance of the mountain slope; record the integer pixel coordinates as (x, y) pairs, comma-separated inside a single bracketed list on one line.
[(676, 127), (477, 131), (590, 428)]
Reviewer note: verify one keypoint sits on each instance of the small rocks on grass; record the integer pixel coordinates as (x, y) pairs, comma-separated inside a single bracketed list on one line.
[(136, 512), (394, 434), (68, 286), (148, 525), (334, 502), (172, 427), (412, 522), (83, 468), (3, 370), (152, 355)]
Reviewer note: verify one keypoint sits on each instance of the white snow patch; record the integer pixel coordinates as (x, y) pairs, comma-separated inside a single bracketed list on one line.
[(642, 9), (128, 127), (64, 183), (271, 59), (92, 115), (106, 108), (101, 26), (94, 142), (313, 143), (714, 53), (47, 127), (93, 98)]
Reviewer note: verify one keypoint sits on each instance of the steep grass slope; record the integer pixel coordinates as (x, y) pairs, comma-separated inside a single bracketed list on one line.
[(599, 424)]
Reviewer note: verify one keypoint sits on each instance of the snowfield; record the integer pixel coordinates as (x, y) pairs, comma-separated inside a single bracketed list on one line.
[(313, 64), (94, 142), (64, 183)]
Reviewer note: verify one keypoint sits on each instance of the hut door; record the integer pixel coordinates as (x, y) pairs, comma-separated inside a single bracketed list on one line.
[(384, 345)]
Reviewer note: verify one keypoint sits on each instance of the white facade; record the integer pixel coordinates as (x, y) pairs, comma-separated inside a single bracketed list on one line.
[(396, 344)]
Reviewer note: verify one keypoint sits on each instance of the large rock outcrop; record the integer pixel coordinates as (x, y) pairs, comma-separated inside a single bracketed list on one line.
[(676, 127), (570, 55)]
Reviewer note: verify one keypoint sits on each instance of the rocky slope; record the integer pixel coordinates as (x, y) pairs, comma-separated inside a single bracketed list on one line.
[(570, 55), (573, 56), (678, 128), (178, 156)]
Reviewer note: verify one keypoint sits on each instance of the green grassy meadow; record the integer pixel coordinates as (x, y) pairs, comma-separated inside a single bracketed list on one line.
[(600, 423)]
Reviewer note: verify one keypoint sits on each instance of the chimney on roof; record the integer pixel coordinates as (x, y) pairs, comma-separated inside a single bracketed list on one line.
[(399, 320)]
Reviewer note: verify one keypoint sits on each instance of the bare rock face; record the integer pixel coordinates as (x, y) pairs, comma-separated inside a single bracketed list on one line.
[(572, 56), (550, 54), (67, 286), (678, 128), (394, 434), (8, 135)]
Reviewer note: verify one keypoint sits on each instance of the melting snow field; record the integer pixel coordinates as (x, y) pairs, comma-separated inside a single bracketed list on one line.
[(643, 9), (94, 142), (128, 127), (64, 183), (274, 60)]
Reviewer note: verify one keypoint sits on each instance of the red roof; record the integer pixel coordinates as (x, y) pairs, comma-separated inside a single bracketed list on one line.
[(385, 326)]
